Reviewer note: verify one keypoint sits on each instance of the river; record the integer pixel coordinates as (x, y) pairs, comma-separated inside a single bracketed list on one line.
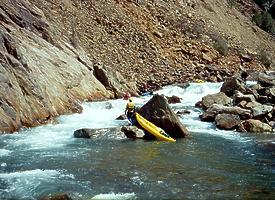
[(209, 164)]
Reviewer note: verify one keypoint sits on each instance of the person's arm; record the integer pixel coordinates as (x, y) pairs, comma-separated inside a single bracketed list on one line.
[(125, 112)]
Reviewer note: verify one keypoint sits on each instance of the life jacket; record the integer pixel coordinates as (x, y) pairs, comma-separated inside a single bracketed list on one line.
[(130, 107)]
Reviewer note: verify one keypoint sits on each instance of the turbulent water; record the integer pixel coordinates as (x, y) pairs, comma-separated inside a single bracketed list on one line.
[(210, 164)]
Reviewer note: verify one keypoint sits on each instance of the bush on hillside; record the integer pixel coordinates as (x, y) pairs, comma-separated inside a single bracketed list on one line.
[(220, 44), (232, 3), (265, 57), (265, 22)]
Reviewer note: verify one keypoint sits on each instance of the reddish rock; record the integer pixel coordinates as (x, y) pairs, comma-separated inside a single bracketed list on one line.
[(174, 99)]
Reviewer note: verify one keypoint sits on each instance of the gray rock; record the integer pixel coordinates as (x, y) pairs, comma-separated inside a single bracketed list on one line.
[(256, 126), (216, 109), (259, 109), (227, 121), (266, 80), (218, 98), (243, 97), (133, 132), (102, 133)]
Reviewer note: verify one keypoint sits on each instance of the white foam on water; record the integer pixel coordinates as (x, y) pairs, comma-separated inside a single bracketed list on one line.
[(193, 93), (30, 174), (4, 152), (24, 183), (113, 196)]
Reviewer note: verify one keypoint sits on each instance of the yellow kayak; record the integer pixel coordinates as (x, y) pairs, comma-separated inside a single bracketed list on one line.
[(199, 81), (153, 129)]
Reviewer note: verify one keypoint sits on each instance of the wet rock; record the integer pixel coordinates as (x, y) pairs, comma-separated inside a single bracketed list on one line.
[(132, 132), (199, 104), (227, 121), (216, 109), (183, 112), (259, 110), (256, 126), (121, 117), (103, 133), (158, 111), (57, 197), (174, 99), (243, 97), (218, 98), (232, 84), (266, 80)]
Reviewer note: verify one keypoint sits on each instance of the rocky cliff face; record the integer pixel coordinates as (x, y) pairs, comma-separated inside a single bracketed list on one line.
[(55, 53), (40, 75)]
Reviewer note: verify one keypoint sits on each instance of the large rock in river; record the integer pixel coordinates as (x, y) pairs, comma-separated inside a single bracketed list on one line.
[(218, 98), (158, 111), (233, 84), (102, 133), (255, 126), (227, 121)]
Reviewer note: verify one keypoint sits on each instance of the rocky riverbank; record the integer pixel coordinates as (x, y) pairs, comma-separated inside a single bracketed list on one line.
[(246, 108)]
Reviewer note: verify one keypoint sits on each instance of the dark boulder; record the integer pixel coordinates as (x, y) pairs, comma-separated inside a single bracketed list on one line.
[(158, 111), (132, 132), (183, 112), (232, 84), (174, 99), (121, 117), (227, 121), (56, 197)]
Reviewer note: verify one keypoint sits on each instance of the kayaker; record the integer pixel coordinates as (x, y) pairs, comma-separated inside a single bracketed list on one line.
[(130, 111)]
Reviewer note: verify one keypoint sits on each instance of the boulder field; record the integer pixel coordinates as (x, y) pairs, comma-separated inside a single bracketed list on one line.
[(246, 108)]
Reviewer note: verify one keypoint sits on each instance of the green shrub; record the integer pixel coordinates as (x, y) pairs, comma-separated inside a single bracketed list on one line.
[(268, 23), (265, 57), (265, 21), (232, 3), (220, 44)]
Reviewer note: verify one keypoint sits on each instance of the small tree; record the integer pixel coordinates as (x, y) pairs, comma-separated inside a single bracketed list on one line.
[(265, 21), (265, 57), (232, 3), (268, 23)]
